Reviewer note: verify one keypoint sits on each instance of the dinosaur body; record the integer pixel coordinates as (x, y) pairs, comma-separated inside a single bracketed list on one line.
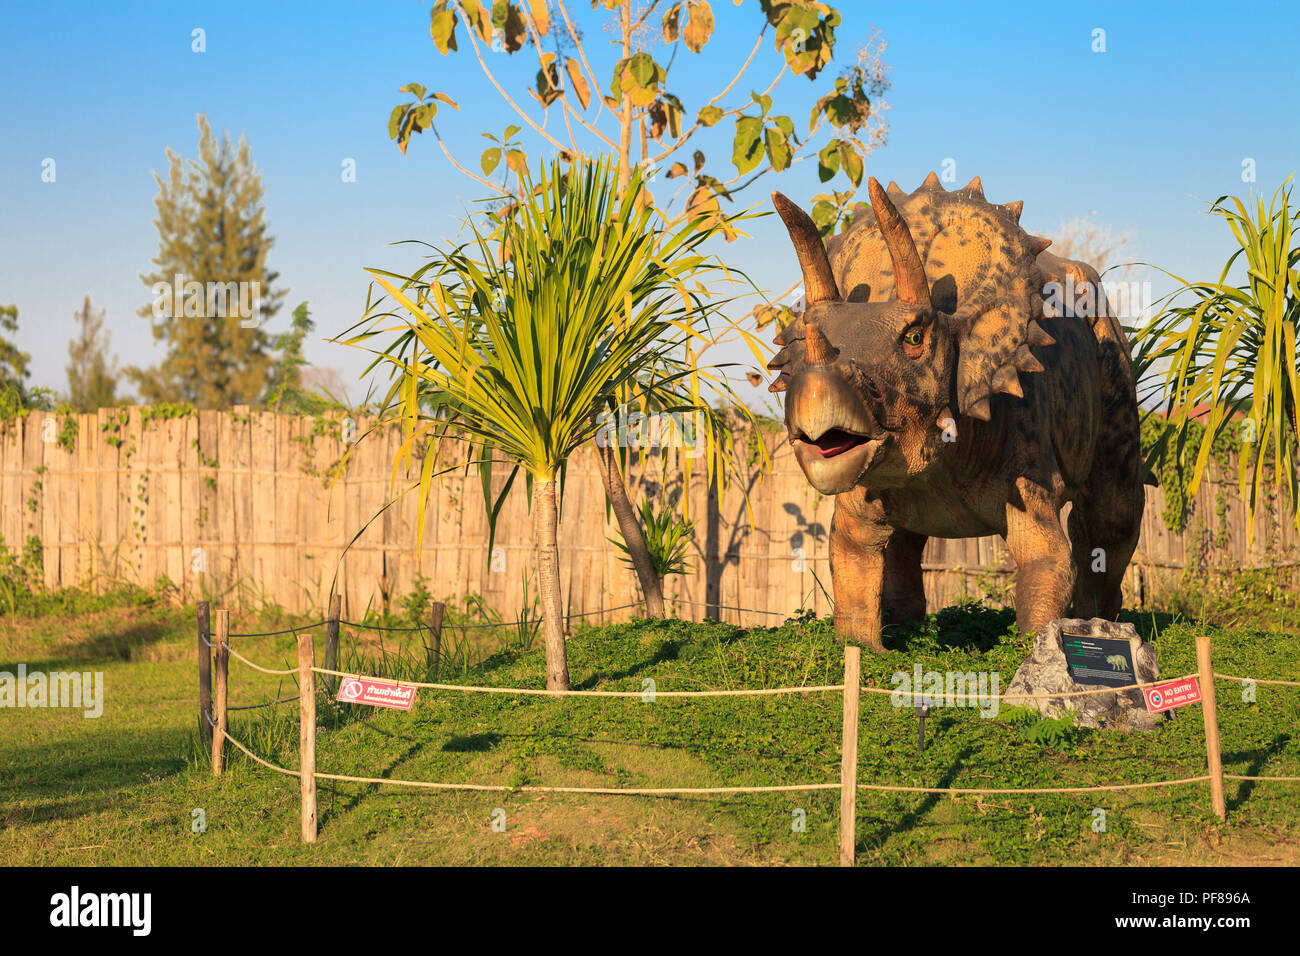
[(1117, 662), (950, 378)]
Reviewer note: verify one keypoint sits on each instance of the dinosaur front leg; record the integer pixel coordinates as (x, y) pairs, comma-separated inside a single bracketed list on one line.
[(1044, 569), (859, 538)]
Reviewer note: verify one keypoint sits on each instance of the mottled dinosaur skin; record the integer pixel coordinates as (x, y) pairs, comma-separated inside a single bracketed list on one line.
[(937, 386)]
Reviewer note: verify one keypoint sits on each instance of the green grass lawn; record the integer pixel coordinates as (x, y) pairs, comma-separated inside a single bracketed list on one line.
[(122, 789)]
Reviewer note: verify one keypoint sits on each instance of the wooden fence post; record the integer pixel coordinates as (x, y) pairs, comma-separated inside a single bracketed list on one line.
[(435, 638), (223, 684), (205, 673), (1211, 715), (307, 733), (849, 754), (332, 639)]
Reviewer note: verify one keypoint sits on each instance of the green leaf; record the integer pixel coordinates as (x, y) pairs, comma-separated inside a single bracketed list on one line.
[(746, 149), (395, 119), (778, 149), (851, 161), (490, 159), (442, 27), (709, 116), (828, 161)]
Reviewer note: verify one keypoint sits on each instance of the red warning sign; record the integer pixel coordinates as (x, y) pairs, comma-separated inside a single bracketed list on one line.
[(376, 693), (1171, 694)]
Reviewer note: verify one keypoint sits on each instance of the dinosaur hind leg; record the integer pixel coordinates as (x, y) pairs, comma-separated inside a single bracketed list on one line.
[(903, 592), (1103, 536)]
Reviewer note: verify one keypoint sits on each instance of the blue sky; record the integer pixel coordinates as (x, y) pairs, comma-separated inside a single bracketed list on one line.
[(1136, 138)]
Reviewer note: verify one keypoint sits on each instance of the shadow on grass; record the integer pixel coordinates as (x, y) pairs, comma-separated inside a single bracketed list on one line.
[(1258, 758), (107, 643), (880, 830), (67, 780)]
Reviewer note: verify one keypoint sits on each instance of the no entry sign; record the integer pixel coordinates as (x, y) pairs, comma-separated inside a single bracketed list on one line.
[(1171, 694), (376, 693)]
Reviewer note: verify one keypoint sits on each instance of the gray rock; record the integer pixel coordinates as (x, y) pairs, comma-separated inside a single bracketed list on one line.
[(1045, 672)]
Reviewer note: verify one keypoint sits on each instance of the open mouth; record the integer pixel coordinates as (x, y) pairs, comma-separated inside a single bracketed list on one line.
[(833, 442)]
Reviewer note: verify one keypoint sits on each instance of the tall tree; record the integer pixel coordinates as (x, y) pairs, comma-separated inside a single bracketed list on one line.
[(92, 377), (212, 291), (286, 378), (13, 362)]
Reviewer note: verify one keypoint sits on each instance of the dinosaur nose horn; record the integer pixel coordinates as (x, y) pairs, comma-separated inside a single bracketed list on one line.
[(817, 348)]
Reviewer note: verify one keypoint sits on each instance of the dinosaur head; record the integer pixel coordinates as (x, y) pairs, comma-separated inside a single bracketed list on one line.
[(869, 383)]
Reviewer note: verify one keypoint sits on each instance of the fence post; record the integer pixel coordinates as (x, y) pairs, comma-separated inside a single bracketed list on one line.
[(849, 754), (205, 673), (1211, 715), (223, 683), (332, 639), (435, 640), (307, 733)]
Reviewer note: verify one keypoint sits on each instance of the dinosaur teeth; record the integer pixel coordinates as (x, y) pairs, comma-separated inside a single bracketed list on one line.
[(1026, 362)]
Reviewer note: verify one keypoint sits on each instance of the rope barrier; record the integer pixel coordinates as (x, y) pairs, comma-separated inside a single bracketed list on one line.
[(468, 627), (245, 750), (983, 790), (1257, 680), (725, 607), (534, 691), (777, 788), (265, 703), (258, 667), (287, 630), (758, 691)]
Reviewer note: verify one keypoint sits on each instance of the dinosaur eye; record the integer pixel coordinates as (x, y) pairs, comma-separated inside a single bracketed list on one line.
[(914, 337)]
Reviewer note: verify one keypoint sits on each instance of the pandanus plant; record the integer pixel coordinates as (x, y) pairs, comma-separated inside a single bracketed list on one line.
[(1233, 348), (517, 343)]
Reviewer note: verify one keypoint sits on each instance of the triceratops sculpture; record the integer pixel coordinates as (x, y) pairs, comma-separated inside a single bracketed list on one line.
[(949, 378)]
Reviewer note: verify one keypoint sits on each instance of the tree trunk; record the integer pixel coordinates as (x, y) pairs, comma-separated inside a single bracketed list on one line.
[(625, 118), (548, 576), (630, 528)]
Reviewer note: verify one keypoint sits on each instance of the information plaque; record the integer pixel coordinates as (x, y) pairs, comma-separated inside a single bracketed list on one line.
[(1098, 660)]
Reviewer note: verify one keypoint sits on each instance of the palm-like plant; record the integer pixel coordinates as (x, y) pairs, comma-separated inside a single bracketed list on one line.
[(1233, 348), (667, 537), (519, 342)]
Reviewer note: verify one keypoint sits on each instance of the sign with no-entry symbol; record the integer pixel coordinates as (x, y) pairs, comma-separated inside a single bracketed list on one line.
[(1171, 694), (376, 693)]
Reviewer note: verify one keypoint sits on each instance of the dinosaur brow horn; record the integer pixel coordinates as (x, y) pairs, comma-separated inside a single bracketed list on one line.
[(909, 274), (818, 280)]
